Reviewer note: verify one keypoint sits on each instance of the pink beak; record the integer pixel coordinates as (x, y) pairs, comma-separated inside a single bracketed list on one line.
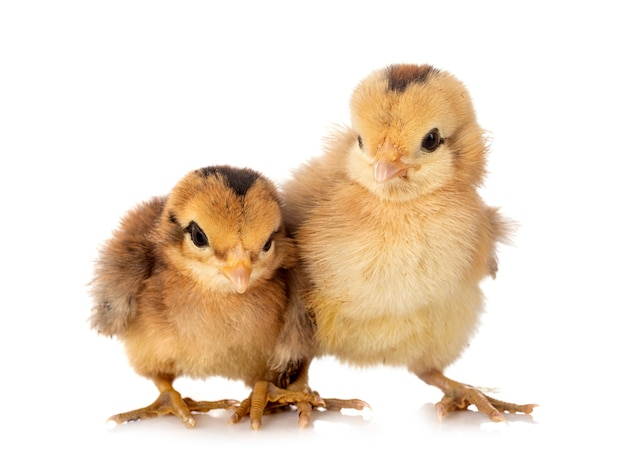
[(386, 170), (387, 163), (239, 276), (238, 269)]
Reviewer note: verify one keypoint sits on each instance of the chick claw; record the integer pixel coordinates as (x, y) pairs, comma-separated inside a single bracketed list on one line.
[(170, 403), (458, 396), (267, 397)]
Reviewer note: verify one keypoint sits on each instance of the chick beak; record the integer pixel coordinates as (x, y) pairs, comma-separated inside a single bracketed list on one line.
[(387, 164), (238, 269)]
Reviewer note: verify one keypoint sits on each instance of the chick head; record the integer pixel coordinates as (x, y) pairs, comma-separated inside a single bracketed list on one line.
[(415, 132), (223, 227)]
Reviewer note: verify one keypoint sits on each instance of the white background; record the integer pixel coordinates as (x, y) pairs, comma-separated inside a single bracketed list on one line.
[(104, 104)]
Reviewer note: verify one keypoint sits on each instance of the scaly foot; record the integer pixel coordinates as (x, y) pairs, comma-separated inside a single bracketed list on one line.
[(458, 396), (170, 402), (267, 397)]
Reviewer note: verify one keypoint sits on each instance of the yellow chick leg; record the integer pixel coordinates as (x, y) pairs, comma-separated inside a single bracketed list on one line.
[(169, 402), (458, 396)]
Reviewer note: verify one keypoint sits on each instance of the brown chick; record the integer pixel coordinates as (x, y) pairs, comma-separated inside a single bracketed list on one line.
[(198, 284), (393, 235)]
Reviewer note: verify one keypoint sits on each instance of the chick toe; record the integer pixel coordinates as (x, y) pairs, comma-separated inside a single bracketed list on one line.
[(267, 397), (169, 402), (459, 396), (337, 404), (204, 406)]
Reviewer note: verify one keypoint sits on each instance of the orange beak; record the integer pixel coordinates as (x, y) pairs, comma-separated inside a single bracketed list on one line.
[(238, 269), (387, 164)]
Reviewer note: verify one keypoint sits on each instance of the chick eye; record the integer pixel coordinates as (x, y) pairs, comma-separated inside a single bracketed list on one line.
[(268, 244), (360, 140), (198, 237), (432, 141)]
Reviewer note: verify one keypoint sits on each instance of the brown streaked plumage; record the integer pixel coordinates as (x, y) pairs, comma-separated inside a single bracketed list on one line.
[(200, 283), (393, 236)]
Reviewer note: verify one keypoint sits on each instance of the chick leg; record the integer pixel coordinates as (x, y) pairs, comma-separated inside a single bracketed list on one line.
[(267, 398), (265, 393), (458, 396), (169, 402)]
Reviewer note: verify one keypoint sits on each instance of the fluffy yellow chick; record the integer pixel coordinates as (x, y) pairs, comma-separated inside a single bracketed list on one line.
[(199, 284), (393, 235)]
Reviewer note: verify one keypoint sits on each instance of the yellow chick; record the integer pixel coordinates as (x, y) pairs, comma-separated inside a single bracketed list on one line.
[(198, 284), (393, 236)]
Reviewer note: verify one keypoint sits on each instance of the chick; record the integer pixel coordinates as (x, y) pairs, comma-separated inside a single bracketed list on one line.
[(198, 284), (393, 236)]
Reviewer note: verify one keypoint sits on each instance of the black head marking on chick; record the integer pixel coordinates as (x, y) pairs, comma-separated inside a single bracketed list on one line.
[(399, 76), (239, 180)]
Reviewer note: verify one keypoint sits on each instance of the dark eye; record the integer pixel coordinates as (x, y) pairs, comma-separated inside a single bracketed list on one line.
[(198, 237), (360, 140), (431, 141), (268, 244)]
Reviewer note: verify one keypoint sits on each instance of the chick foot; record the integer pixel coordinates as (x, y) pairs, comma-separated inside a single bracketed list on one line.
[(170, 402), (267, 398), (305, 409), (458, 396)]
